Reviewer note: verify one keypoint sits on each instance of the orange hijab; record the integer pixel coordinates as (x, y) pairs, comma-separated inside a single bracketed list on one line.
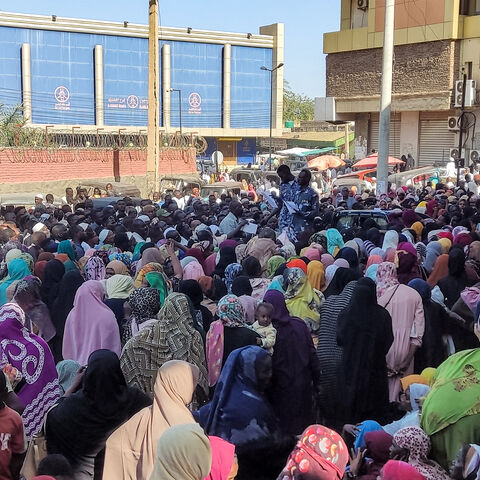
[(316, 275)]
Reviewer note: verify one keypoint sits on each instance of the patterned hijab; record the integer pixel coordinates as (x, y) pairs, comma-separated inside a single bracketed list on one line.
[(145, 304), (231, 314), (95, 269), (386, 277), (417, 442), (150, 267), (320, 453), (231, 273), (171, 338)]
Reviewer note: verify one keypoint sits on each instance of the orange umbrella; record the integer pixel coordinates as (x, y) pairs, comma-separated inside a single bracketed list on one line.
[(372, 160), (325, 161)]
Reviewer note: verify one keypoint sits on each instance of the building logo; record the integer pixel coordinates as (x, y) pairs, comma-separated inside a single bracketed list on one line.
[(62, 96), (195, 102), (132, 101)]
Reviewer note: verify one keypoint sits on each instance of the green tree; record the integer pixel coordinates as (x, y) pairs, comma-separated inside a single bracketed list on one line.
[(10, 119), (296, 107)]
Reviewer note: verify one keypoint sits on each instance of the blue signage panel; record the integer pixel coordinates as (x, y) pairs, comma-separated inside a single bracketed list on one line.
[(62, 77), (125, 80), (196, 70), (11, 40), (246, 150), (250, 94)]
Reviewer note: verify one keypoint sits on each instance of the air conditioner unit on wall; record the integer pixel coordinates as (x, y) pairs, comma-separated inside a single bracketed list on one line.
[(453, 125), (474, 157), (470, 93), (455, 155), (362, 4)]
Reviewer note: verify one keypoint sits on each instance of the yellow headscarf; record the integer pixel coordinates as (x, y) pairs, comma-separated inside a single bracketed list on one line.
[(411, 379), (316, 275), (446, 244), (417, 227), (428, 373)]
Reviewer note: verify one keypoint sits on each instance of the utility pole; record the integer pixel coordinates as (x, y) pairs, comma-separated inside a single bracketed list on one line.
[(461, 125), (347, 141), (153, 98), (386, 98)]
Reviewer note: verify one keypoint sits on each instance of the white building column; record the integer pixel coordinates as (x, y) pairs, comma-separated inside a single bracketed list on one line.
[(227, 84), (99, 86), (166, 84), (26, 83), (409, 134)]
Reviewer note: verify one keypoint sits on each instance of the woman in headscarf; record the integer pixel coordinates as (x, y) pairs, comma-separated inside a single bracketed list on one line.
[(66, 247), (130, 452), (456, 280), (27, 295), (239, 411), (178, 444), (432, 352), (224, 460), (95, 269), (193, 271), (173, 337), (320, 454), (398, 470), (53, 274), (472, 264), (371, 272), (334, 241), (67, 371), (90, 325), (327, 260), (226, 334), (301, 299), (416, 442), (329, 353), (17, 270), (140, 278), (226, 257), (262, 247), (350, 255), (329, 274), (231, 273), (151, 255), (78, 427), (62, 306), (363, 381), (253, 270), (374, 260), (390, 240), (116, 267), (405, 306), (342, 276), (273, 264), (145, 304), (440, 270), (242, 288), (117, 289), (450, 413), (406, 261), (434, 250), (30, 355), (316, 275), (192, 289), (295, 368)]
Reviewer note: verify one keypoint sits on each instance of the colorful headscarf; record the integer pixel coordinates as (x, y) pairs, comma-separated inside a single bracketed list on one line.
[(118, 286), (334, 241), (320, 453), (66, 247), (297, 263), (397, 470), (316, 275), (145, 304), (125, 257), (159, 281), (17, 270), (150, 267), (118, 267), (193, 271), (231, 273), (273, 264), (231, 314), (386, 277)]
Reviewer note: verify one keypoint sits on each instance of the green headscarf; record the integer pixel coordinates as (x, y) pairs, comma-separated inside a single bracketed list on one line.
[(136, 252), (273, 263), (455, 392), (158, 281), (17, 270), (67, 248)]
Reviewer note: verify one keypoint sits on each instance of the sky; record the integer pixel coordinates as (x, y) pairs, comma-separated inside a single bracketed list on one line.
[(305, 22)]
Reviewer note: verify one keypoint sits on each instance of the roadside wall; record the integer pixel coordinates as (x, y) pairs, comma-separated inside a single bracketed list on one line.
[(52, 171)]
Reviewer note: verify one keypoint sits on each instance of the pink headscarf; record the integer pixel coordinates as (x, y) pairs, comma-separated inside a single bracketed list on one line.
[(209, 264), (341, 263), (223, 454), (90, 325), (193, 271), (312, 253), (374, 260), (471, 297), (327, 260), (386, 277)]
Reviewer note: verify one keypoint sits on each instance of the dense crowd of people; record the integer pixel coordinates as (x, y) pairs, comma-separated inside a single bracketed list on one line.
[(242, 336)]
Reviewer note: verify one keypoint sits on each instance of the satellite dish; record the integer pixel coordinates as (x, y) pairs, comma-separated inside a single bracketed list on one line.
[(217, 157)]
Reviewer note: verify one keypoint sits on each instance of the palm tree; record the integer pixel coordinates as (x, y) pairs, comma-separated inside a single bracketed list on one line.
[(11, 117)]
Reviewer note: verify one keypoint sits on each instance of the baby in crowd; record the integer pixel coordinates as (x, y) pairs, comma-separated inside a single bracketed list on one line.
[(263, 326)]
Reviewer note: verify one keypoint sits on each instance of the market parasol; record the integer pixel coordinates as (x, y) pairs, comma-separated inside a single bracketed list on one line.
[(372, 160), (325, 161)]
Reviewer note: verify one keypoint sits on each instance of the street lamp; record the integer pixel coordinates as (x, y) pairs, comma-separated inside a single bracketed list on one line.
[(179, 105), (271, 70)]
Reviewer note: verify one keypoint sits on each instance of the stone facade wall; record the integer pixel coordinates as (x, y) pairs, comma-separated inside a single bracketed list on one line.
[(358, 73)]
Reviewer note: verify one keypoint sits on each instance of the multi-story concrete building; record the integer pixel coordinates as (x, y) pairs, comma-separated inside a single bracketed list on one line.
[(435, 40), (94, 74)]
